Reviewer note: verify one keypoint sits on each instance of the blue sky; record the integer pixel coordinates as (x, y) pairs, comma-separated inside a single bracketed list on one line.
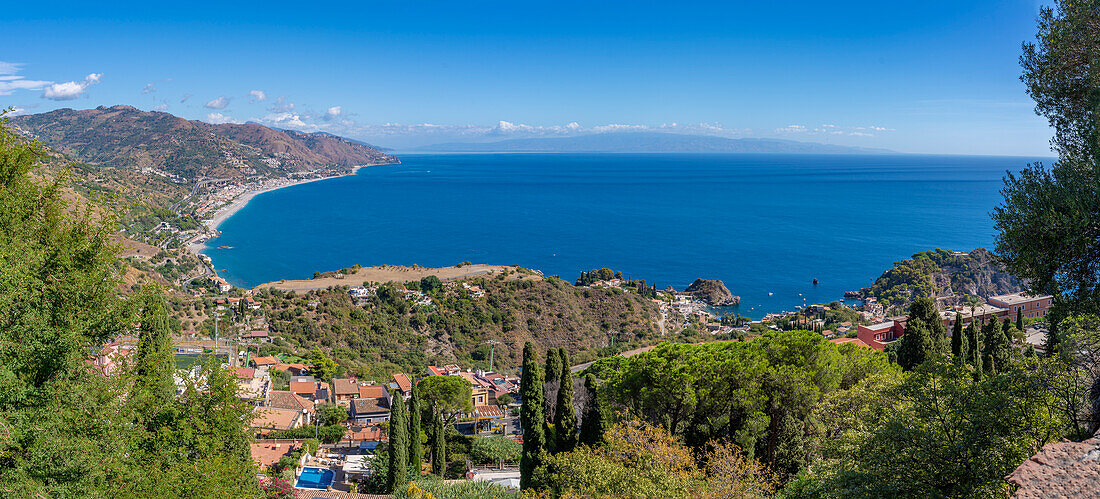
[(930, 77)]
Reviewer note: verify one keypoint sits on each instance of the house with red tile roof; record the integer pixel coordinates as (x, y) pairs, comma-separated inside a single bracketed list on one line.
[(264, 361), (344, 390), (293, 401), (265, 454), (295, 369), (402, 383), (244, 372), (267, 419)]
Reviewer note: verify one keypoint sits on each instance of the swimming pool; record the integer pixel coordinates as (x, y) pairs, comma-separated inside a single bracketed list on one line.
[(315, 478)]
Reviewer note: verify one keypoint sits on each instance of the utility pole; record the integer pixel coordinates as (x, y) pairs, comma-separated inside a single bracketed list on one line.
[(492, 349)]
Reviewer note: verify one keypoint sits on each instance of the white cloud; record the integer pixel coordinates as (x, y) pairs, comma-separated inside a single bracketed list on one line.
[(219, 103), (160, 107), (184, 98), (281, 105), (70, 90), (332, 113), (288, 120), (219, 118), (791, 129), (861, 134), (149, 88), (11, 80), (256, 96)]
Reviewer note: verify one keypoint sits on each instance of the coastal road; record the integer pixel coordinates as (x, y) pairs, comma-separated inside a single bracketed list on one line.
[(629, 353)]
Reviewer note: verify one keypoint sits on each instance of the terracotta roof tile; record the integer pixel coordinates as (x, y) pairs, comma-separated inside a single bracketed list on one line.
[(1060, 469)]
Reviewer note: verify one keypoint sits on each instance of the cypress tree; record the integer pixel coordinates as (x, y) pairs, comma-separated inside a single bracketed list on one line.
[(975, 337), (531, 417), (551, 379), (925, 335), (1020, 318), (397, 472), (565, 417), (153, 361), (439, 445), (594, 423), (958, 341), (416, 445), (553, 365)]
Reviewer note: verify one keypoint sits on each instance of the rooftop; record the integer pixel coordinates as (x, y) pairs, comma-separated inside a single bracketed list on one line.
[(1060, 469), (1018, 298)]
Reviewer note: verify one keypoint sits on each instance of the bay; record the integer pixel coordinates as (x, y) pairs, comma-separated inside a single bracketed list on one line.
[(766, 225)]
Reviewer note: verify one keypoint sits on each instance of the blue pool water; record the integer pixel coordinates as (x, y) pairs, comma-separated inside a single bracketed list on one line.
[(766, 225), (315, 478)]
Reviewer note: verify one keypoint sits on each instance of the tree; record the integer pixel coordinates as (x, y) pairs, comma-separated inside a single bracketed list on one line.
[(153, 363), (551, 380), (1059, 77), (320, 365), (998, 350), (416, 443), (594, 423), (504, 399), (446, 395), (1047, 222), (565, 416), (975, 345), (430, 284), (949, 436), (398, 450), (331, 414), (439, 446), (1020, 318), (959, 342), (495, 449), (531, 417), (924, 334)]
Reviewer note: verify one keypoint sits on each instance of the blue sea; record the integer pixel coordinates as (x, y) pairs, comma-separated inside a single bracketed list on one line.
[(766, 225)]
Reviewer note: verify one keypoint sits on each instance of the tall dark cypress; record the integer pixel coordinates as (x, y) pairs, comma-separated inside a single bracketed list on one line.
[(551, 378), (154, 355), (565, 416), (594, 423), (439, 445), (531, 417), (416, 446), (959, 342), (396, 473), (1020, 318), (975, 336)]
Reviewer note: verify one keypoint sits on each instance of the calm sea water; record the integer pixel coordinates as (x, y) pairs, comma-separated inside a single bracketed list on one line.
[(767, 225)]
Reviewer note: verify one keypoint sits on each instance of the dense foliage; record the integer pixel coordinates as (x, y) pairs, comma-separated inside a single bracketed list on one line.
[(65, 429), (386, 332)]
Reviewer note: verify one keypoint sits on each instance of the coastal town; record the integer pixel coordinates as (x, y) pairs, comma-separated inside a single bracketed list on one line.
[(320, 431)]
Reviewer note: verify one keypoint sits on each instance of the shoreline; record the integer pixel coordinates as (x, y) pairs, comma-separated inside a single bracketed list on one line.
[(239, 202)]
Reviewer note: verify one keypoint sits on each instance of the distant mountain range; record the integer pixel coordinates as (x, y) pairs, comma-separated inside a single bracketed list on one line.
[(650, 142), (123, 137)]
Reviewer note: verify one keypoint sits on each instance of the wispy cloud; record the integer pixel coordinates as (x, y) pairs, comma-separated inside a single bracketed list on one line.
[(219, 103), (830, 129), (256, 96), (11, 80), (332, 113), (70, 90), (185, 97), (149, 88), (281, 105)]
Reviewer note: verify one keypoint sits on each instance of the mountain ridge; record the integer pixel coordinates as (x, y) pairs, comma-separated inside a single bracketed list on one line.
[(649, 142), (126, 137)]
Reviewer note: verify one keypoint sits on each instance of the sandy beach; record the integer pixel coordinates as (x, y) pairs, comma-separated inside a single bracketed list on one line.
[(223, 213)]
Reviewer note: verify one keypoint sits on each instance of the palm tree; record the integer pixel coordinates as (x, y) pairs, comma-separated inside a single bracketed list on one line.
[(973, 301)]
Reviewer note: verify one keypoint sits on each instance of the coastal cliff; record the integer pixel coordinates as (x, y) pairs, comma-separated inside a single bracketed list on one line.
[(713, 292), (944, 275)]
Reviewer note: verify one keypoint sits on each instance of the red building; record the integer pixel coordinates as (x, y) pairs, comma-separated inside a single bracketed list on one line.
[(879, 335)]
